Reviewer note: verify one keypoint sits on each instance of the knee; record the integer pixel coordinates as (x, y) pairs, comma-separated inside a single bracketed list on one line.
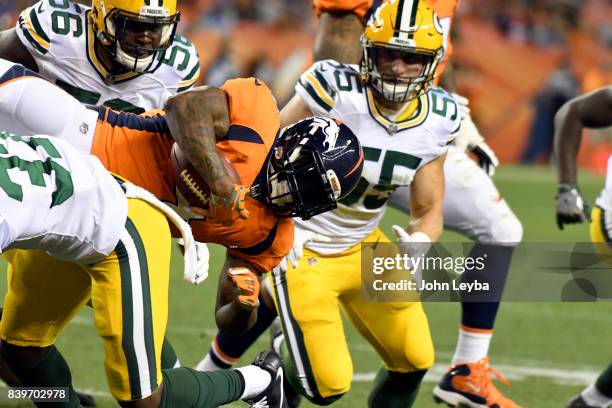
[(504, 228), (18, 356), (331, 384)]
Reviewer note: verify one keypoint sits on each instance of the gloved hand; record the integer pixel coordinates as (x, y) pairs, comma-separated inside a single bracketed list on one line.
[(571, 208), (203, 258), (226, 210), (469, 138), (414, 245), (247, 284), (300, 238)]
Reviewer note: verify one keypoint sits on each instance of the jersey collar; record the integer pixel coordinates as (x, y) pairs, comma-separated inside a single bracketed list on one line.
[(394, 126)]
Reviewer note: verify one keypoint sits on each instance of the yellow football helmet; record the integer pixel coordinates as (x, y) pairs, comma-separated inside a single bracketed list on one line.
[(409, 27), (120, 27)]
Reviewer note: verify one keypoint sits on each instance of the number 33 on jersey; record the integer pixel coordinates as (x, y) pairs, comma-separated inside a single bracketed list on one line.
[(60, 36)]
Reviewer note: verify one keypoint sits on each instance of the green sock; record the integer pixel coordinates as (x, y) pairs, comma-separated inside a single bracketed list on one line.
[(168, 355), (395, 390), (184, 387), (604, 382), (50, 370)]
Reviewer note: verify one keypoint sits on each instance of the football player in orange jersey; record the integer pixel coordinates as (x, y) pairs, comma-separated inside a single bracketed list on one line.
[(493, 226), (241, 120)]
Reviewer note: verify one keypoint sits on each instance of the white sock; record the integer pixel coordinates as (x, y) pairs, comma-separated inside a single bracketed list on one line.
[(207, 364), (471, 346), (256, 380), (594, 397), (277, 343)]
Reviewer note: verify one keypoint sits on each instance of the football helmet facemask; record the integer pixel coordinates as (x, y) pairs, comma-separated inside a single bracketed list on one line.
[(313, 164), (135, 33), (411, 30)]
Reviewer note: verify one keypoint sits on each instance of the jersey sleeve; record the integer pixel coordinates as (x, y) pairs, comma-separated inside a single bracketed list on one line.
[(359, 7), (448, 116), (316, 88), (254, 123), (34, 28), (183, 57)]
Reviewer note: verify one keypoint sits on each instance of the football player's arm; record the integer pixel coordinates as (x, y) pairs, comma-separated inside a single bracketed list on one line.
[(338, 37), (195, 119), (12, 49), (294, 111), (592, 110), (237, 296), (427, 199)]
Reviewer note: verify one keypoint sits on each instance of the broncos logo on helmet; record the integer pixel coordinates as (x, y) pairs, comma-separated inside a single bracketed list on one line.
[(316, 162)]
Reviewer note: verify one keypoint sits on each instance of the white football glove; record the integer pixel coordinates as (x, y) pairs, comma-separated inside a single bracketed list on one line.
[(414, 245), (202, 263), (300, 238), (469, 138)]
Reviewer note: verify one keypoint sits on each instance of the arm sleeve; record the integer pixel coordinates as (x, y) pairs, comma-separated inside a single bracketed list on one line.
[(190, 72), (316, 88), (254, 123), (34, 28), (359, 7)]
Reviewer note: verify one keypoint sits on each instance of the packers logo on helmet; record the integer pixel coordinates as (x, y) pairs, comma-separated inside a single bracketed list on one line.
[(411, 28), (135, 32)]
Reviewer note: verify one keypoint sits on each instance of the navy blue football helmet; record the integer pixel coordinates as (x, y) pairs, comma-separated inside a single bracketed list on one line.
[(314, 163)]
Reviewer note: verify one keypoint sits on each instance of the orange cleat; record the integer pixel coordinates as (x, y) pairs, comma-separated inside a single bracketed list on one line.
[(470, 385)]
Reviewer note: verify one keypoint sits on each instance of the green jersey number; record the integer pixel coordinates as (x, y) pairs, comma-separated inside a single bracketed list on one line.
[(443, 104), (182, 53), (36, 170), (379, 194), (63, 23)]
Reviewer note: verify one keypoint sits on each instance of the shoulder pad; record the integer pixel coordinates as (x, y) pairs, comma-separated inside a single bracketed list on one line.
[(45, 22), (445, 109), (183, 59)]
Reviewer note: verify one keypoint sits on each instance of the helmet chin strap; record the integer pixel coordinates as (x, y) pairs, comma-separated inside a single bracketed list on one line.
[(132, 63)]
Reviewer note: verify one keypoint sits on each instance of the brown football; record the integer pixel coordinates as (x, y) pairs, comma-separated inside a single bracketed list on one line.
[(190, 183)]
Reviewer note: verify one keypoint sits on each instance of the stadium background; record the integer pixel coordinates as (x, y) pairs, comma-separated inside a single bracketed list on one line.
[(518, 61)]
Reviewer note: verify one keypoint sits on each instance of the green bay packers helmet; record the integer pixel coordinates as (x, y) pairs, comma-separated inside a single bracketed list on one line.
[(119, 26), (406, 26)]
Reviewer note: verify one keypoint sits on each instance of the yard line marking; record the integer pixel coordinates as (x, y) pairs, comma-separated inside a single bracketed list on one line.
[(512, 372)]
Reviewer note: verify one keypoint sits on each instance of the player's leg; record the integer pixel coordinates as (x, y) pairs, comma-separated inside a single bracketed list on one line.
[(226, 349), (130, 301), (474, 208), (399, 332), (43, 295), (32, 105), (597, 395), (314, 350)]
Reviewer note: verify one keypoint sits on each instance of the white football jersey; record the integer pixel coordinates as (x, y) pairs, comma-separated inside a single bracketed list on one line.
[(58, 200), (59, 35), (394, 150)]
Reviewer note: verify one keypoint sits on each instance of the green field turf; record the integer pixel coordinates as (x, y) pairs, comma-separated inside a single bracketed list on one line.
[(548, 351)]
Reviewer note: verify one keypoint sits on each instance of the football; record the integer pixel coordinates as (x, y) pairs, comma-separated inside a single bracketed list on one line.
[(189, 182)]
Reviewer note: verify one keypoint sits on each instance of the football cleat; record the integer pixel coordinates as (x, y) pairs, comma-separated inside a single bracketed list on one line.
[(273, 396), (579, 402), (86, 400), (470, 385), (292, 396)]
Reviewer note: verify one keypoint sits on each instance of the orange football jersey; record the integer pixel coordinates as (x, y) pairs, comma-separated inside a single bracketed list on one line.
[(137, 148)]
